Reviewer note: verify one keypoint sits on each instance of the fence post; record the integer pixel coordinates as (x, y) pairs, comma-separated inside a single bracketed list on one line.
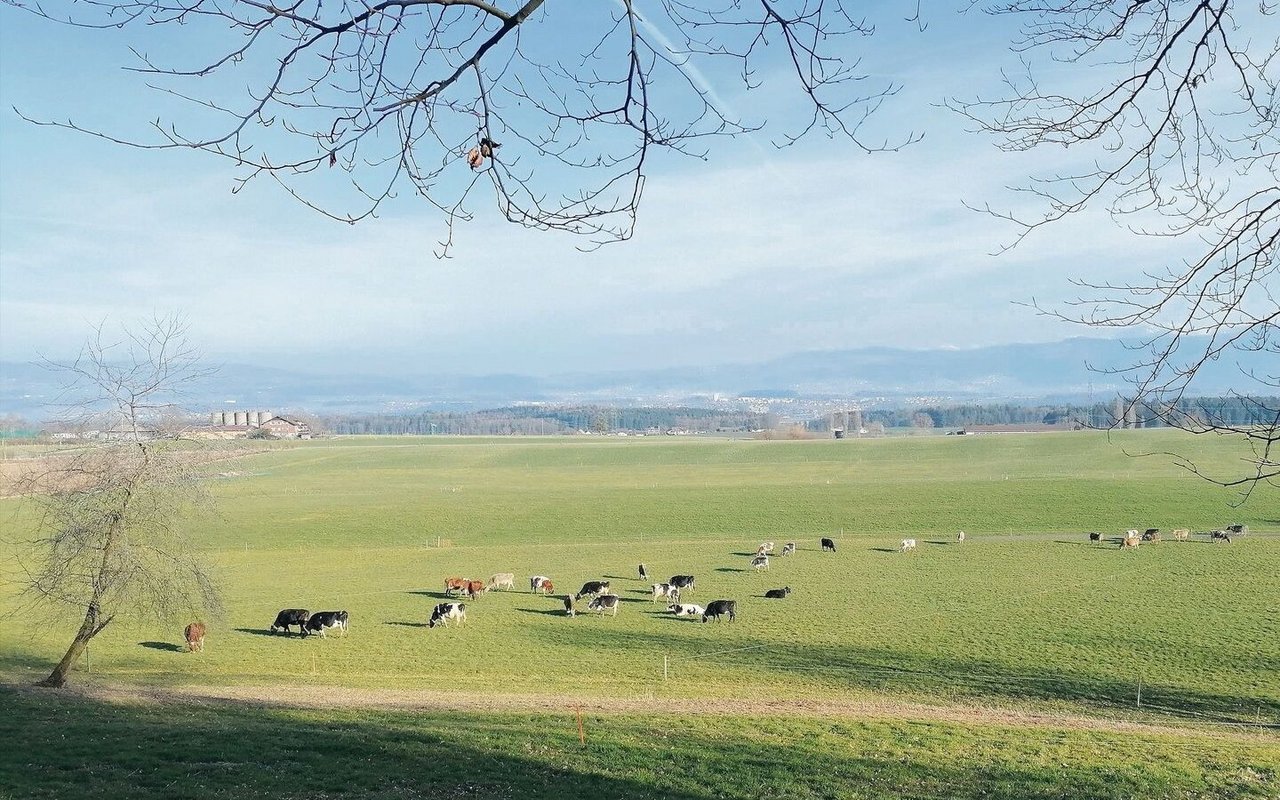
[(1139, 691), (664, 667)]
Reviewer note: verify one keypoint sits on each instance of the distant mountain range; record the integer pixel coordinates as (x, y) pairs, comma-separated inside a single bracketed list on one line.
[(1058, 371)]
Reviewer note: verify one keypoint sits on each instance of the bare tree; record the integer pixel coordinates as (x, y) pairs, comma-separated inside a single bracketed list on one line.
[(1176, 118), (109, 535), (555, 110)]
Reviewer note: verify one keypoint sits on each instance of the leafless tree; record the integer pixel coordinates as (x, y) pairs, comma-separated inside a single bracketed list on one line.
[(1176, 120), (556, 110), (109, 534)]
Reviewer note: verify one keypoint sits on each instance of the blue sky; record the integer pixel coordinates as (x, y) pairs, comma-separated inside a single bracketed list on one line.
[(750, 254)]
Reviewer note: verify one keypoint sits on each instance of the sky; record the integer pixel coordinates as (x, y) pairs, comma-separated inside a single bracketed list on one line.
[(750, 254)]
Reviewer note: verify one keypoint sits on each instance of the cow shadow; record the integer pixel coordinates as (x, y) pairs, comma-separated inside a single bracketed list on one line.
[(548, 612), (438, 595), (885, 549), (268, 632), (168, 647), (744, 554), (730, 569), (936, 541), (622, 578), (407, 624)]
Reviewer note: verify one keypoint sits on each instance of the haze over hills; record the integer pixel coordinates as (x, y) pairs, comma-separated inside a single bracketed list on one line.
[(1017, 372)]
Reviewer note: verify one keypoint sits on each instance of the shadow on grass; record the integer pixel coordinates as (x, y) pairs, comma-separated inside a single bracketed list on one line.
[(271, 633), (406, 624), (922, 674), (250, 749), (730, 569), (936, 541), (168, 647), (549, 612), (884, 549), (441, 595)]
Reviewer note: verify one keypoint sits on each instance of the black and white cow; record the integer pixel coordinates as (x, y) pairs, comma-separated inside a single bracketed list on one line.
[(778, 594), (1095, 537), (592, 587), (568, 605), (719, 608), (682, 582), (828, 544), (603, 603), (788, 549), (443, 613), (760, 562), (686, 610), (1220, 536), (322, 620), (292, 616), (644, 573), (665, 591)]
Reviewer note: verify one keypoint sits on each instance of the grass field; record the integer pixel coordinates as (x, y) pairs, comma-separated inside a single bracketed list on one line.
[(1026, 617)]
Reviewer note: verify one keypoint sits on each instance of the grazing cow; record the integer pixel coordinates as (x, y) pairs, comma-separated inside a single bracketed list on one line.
[(592, 587), (1095, 537), (644, 573), (475, 589), (604, 602), (194, 636), (1130, 542), (778, 594), (292, 616), (1151, 536), (764, 549), (443, 613), (828, 544), (959, 537), (907, 544), (568, 605), (1220, 536), (503, 580), (719, 608), (788, 549), (535, 582), (686, 610), (760, 562), (452, 585), (666, 591), (1181, 534), (1238, 530), (322, 620), (682, 582), (548, 587), (1149, 532)]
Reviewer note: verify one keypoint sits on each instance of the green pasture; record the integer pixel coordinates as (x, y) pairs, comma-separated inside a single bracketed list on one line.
[(1025, 611), (66, 745), (1026, 616)]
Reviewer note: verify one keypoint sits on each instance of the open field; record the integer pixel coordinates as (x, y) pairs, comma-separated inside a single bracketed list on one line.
[(1025, 620)]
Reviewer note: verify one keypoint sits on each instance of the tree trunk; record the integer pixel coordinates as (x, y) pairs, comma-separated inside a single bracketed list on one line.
[(88, 629)]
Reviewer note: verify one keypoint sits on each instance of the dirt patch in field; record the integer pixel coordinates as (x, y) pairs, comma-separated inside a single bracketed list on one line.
[(336, 697)]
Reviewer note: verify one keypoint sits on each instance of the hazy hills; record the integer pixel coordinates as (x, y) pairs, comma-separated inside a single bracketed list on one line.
[(1055, 370)]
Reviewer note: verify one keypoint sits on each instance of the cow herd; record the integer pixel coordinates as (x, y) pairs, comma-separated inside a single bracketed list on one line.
[(604, 600), (1133, 538)]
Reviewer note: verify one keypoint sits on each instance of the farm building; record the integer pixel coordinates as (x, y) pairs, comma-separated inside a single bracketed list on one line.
[(286, 428)]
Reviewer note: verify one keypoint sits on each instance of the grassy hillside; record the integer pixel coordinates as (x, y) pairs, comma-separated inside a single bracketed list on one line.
[(1026, 614)]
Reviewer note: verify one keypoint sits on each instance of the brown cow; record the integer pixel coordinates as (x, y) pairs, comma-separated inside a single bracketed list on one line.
[(547, 586), (474, 589), (452, 585), (1130, 542), (194, 634)]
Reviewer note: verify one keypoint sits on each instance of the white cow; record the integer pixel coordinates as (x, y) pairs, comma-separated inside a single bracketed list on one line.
[(503, 580), (959, 537), (686, 610), (760, 562), (907, 544)]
